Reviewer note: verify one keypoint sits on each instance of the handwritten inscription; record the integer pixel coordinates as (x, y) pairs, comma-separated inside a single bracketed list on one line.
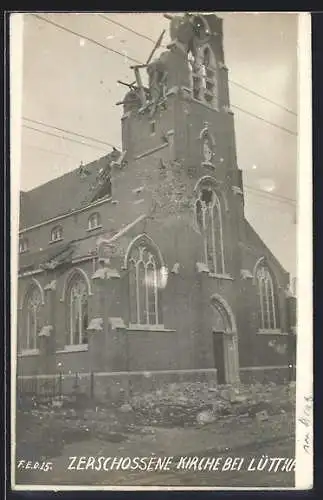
[(29, 465), (306, 421)]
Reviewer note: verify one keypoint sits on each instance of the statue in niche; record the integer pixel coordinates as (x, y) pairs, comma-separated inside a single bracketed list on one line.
[(207, 150), (207, 146)]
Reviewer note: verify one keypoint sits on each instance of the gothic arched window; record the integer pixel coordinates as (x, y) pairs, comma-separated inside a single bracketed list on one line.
[(204, 75), (145, 272), (77, 309), (268, 300), (31, 319), (208, 77), (209, 221), (194, 72), (205, 66)]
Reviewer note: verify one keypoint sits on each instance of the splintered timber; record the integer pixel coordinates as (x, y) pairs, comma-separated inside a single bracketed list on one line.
[(155, 463)]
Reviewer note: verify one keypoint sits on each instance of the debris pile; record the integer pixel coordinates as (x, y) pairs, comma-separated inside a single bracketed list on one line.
[(44, 430), (181, 405)]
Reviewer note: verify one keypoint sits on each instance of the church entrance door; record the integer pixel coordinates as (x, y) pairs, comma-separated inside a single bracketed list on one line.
[(225, 344)]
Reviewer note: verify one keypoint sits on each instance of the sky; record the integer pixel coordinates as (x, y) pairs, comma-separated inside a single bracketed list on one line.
[(70, 92)]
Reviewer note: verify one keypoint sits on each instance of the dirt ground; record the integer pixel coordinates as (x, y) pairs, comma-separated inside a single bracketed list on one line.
[(246, 423)]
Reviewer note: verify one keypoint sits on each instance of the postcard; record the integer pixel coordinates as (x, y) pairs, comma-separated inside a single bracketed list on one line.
[(161, 250)]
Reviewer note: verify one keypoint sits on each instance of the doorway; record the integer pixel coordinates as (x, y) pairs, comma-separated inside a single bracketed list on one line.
[(225, 344), (218, 350)]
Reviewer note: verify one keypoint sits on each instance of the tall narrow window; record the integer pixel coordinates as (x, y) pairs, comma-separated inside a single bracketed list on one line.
[(195, 77), (268, 301), (209, 222), (209, 77), (204, 66), (94, 221), (77, 311), (31, 323), (144, 271), (204, 76)]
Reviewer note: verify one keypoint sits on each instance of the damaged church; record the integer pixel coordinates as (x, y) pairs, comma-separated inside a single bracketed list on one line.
[(143, 260)]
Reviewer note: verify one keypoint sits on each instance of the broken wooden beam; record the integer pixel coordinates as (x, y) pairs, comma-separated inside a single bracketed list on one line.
[(130, 85), (138, 66), (140, 86), (157, 45)]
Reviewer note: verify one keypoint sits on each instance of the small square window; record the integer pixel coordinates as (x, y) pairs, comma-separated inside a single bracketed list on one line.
[(94, 221), (57, 233)]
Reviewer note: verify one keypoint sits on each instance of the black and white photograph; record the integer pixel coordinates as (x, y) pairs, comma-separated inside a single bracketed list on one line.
[(161, 239)]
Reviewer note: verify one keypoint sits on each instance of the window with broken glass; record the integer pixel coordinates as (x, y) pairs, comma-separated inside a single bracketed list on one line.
[(31, 324), (77, 311), (209, 221), (144, 290), (268, 300), (204, 76)]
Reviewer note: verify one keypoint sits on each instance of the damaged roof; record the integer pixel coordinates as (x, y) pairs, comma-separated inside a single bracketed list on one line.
[(253, 240), (65, 194), (63, 253)]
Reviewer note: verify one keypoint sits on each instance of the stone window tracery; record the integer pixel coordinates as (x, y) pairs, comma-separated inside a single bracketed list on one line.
[(145, 273), (77, 308), (204, 75), (209, 221), (31, 313), (268, 303)]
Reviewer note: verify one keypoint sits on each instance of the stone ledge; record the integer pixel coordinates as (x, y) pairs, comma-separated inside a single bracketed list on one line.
[(46, 331), (96, 324), (105, 273)]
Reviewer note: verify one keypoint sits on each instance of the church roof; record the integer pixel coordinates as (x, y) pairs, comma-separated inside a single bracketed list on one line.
[(255, 242), (61, 253), (64, 194)]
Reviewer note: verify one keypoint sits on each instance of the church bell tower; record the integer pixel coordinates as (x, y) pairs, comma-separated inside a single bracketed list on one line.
[(186, 102)]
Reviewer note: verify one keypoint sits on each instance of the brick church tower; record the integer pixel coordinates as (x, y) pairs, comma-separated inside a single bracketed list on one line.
[(187, 106)]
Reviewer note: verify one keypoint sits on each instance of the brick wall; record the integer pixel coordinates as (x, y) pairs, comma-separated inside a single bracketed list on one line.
[(161, 186)]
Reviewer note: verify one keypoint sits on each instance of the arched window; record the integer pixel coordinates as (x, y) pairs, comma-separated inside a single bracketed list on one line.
[(145, 273), (204, 75), (194, 72), (209, 80), (77, 309), (205, 65), (209, 221), (23, 245), (94, 221), (31, 319), (56, 233), (268, 300)]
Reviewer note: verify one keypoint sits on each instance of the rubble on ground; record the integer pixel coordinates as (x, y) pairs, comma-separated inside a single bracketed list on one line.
[(46, 429), (199, 403)]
